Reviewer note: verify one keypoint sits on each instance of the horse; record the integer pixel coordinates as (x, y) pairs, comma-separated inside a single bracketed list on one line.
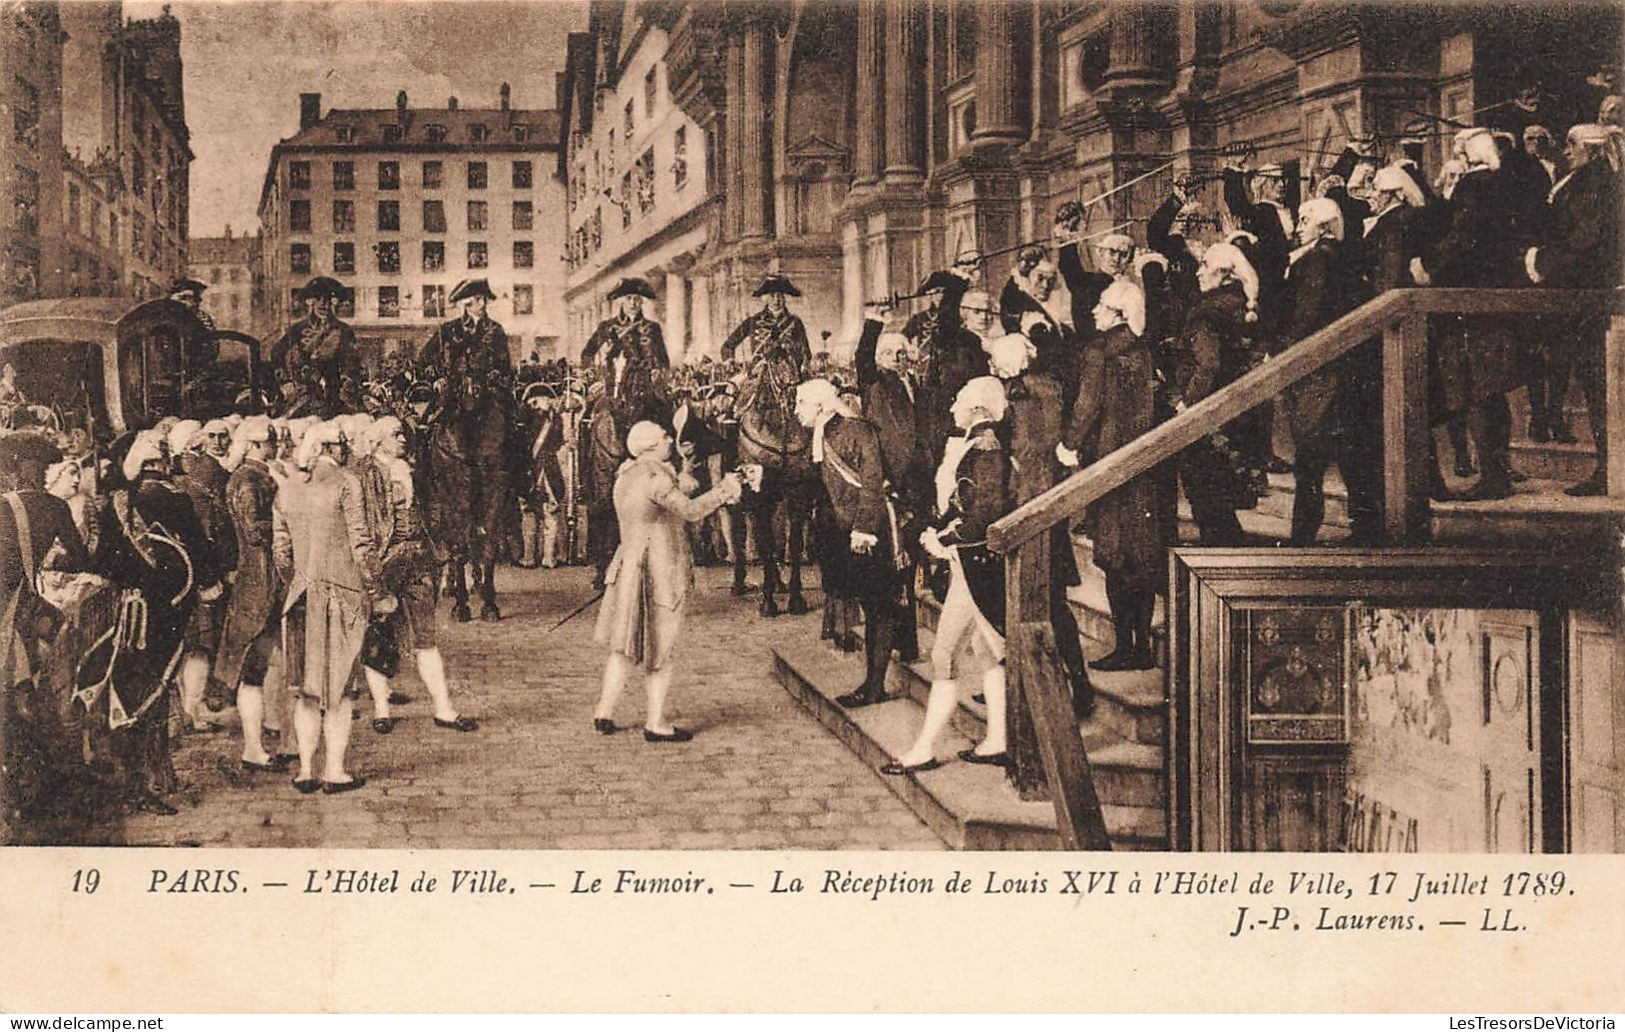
[(465, 474), (609, 416), (771, 437)]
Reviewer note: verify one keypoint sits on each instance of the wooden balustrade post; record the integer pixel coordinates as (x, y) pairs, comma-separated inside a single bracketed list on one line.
[(1614, 398), (1405, 430), (1041, 704)]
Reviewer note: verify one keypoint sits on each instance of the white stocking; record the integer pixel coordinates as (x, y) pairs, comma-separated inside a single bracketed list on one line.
[(307, 726), (939, 710), (432, 669), (615, 671), (378, 688), (251, 708), (993, 742), (658, 686), (336, 726)]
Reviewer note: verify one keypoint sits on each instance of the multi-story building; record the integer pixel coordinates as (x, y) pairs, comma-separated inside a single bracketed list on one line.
[(90, 207), (32, 252), (124, 126), (229, 267), (639, 200), (400, 204), (856, 147)]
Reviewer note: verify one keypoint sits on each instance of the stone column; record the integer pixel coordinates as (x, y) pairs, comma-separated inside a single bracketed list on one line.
[(753, 155), (905, 112), (997, 119), (733, 179), (870, 144), (674, 323)]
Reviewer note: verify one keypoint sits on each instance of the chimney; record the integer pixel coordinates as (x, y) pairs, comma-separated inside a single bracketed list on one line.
[(506, 93), (451, 103), (228, 231), (310, 110), (400, 106)]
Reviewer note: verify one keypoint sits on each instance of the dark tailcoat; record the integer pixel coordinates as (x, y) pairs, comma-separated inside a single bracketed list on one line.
[(981, 496), (321, 358), (891, 402)]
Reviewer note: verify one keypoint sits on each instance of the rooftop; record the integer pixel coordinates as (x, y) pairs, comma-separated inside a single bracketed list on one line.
[(370, 128)]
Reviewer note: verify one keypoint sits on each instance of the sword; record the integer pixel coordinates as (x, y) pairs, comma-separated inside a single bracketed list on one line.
[(582, 608)]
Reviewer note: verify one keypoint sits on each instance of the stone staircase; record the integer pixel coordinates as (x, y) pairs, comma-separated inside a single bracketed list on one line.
[(972, 807)]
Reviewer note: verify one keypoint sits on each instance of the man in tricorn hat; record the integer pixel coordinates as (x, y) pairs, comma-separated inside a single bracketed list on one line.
[(773, 335), (631, 347), (316, 357), (189, 292)]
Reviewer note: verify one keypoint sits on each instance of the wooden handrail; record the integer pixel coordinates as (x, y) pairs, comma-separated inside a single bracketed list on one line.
[(1069, 498)]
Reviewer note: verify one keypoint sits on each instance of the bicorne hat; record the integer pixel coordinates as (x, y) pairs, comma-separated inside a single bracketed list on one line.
[(632, 286), (471, 288), (777, 285), (323, 286)]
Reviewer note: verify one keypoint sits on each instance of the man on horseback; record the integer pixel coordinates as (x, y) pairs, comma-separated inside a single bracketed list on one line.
[(632, 351), (631, 347), (316, 358), (469, 496), (776, 338)]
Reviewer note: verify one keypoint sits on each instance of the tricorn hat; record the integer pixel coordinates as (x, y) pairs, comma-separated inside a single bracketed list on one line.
[(183, 284), (471, 288), (777, 285), (323, 286), (940, 280), (632, 286)]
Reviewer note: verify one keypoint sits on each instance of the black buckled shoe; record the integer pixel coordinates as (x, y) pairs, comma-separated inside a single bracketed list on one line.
[(864, 696), (896, 767), (458, 724), (604, 726), (1000, 759), (335, 787), (676, 734)]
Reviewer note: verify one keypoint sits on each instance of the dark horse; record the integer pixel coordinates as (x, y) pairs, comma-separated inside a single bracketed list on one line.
[(603, 448), (468, 483), (771, 437)]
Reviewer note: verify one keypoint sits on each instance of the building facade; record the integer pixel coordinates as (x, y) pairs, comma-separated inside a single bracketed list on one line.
[(857, 146), (229, 266), (124, 127), (400, 204), (91, 204), (32, 252)]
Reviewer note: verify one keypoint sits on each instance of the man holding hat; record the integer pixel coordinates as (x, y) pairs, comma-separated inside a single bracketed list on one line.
[(631, 347), (1580, 249), (317, 355)]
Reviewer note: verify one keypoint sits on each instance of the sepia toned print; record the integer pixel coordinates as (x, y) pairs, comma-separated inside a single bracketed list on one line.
[(899, 424)]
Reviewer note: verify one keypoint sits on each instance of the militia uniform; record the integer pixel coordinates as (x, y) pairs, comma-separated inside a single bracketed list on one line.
[(317, 357), (777, 341)]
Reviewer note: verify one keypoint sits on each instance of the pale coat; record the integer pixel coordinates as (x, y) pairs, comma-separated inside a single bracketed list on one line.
[(325, 552), (648, 580)]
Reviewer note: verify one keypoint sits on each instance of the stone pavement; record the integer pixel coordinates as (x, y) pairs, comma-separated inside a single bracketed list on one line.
[(760, 774)]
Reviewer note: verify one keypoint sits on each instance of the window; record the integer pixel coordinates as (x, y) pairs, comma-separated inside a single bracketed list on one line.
[(389, 255), (477, 211), (522, 175), (389, 175), (293, 299), (233, 273), (96, 221), (435, 133), (389, 302), (629, 120), (344, 175), (346, 133), (524, 254), (476, 175), (479, 132), (298, 258), (393, 133), (679, 164), (25, 116), (236, 304), (476, 254), (434, 216), (523, 214), (432, 174), (299, 215), (434, 301), (214, 274), (650, 87), (299, 175), (345, 308), (344, 216), (343, 256), (73, 206), (626, 201), (524, 299), (434, 255), (389, 216), (644, 177), (521, 133)]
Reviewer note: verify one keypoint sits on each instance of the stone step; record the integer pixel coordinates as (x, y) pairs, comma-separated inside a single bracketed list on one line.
[(969, 806), (1127, 772)]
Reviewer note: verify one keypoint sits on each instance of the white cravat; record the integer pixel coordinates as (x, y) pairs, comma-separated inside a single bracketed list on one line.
[(818, 433), (947, 479)]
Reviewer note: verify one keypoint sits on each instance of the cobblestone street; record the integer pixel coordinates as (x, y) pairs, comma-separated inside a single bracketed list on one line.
[(760, 774)]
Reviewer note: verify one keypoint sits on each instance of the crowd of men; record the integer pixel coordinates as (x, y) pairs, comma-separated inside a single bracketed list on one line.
[(288, 562)]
